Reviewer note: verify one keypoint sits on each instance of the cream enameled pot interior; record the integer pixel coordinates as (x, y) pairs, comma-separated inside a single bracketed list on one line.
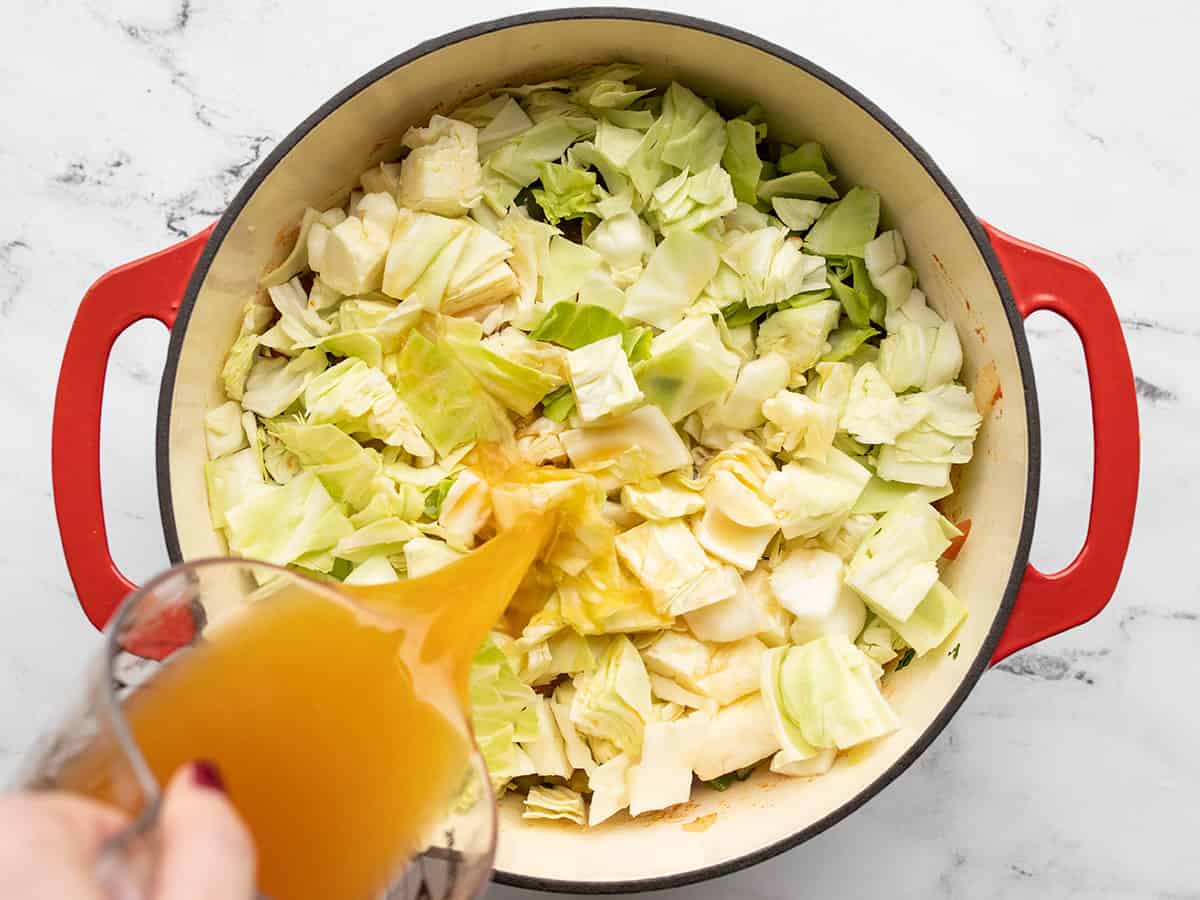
[(366, 128)]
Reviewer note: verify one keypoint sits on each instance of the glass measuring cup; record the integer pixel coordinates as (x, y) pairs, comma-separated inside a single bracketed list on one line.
[(132, 726)]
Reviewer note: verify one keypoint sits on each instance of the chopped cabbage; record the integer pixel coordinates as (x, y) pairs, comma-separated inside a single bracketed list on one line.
[(896, 566), (695, 346)]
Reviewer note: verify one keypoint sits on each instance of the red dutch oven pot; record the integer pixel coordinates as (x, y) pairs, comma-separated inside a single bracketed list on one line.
[(982, 279)]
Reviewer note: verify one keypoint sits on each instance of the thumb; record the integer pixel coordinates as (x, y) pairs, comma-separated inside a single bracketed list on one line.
[(206, 849)]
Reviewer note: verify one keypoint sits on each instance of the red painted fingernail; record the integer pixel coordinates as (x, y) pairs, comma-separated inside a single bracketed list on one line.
[(205, 774)]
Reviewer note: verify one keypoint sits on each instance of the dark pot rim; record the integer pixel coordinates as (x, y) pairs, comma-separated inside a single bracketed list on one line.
[(1020, 559)]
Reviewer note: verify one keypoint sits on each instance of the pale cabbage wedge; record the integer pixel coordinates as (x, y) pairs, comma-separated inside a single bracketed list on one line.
[(441, 174), (374, 570), (557, 802), (933, 620), (830, 693), (808, 584), (503, 712), (798, 426), (423, 555), (223, 431), (689, 367), (274, 383), (677, 272), (798, 335), (673, 567), (232, 479), (896, 566), (673, 496), (352, 258), (279, 524), (663, 775), (610, 790), (613, 702), (547, 751), (602, 380), (810, 496), (737, 736)]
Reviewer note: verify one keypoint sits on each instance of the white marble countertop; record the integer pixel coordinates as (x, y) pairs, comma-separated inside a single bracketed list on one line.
[(1074, 769)]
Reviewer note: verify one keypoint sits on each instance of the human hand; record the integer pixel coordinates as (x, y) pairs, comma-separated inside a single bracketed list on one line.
[(50, 843)]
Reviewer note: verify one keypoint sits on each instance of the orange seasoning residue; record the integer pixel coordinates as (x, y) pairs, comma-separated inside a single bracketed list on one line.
[(956, 544), (700, 823), (987, 388), (337, 717)]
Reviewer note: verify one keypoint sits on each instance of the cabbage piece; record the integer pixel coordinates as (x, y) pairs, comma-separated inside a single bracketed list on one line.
[(752, 612), (275, 383), (601, 379), (645, 431), (831, 387), (738, 523), (846, 538), (575, 325), (808, 583), (678, 656), (934, 618), (281, 524), (945, 436), (798, 335), (771, 266), (297, 259), (547, 750), (667, 559), (739, 735), (558, 802), (695, 139), (447, 264), (879, 641), (231, 479), (352, 259), (383, 178), (689, 202), (845, 342), (318, 234), (809, 185), (830, 693), (360, 400), (603, 599), (349, 471), (874, 414), (567, 266), (688, 367), (663, 776), (466, 508), (660, 499), (509, 122), (607, 87), (423, 555), (811, 496), (884, 258), (384, 537), (238, 362), (798, 426), (514, 165), (677, 272), (384, 322), (741, 159), (625, 242), (808, 157), (449, 405), (880, 496), (223, 432), (796, 756), (919, 356), (298, 326), (666, 689), (896, 566), (566, 192), (402, 501), (796, 214), (503, 712), (375, 570), (530, 241), (519, 387), (441, 175), (733, 671), (610, 791), (757, 380), (847, 226), (613, 702)]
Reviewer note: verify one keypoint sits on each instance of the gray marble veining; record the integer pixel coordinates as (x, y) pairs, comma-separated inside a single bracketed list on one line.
[(1073, 771)]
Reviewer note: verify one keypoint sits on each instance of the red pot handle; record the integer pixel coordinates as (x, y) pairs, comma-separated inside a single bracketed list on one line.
[(148, 288), (1048, 604)]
